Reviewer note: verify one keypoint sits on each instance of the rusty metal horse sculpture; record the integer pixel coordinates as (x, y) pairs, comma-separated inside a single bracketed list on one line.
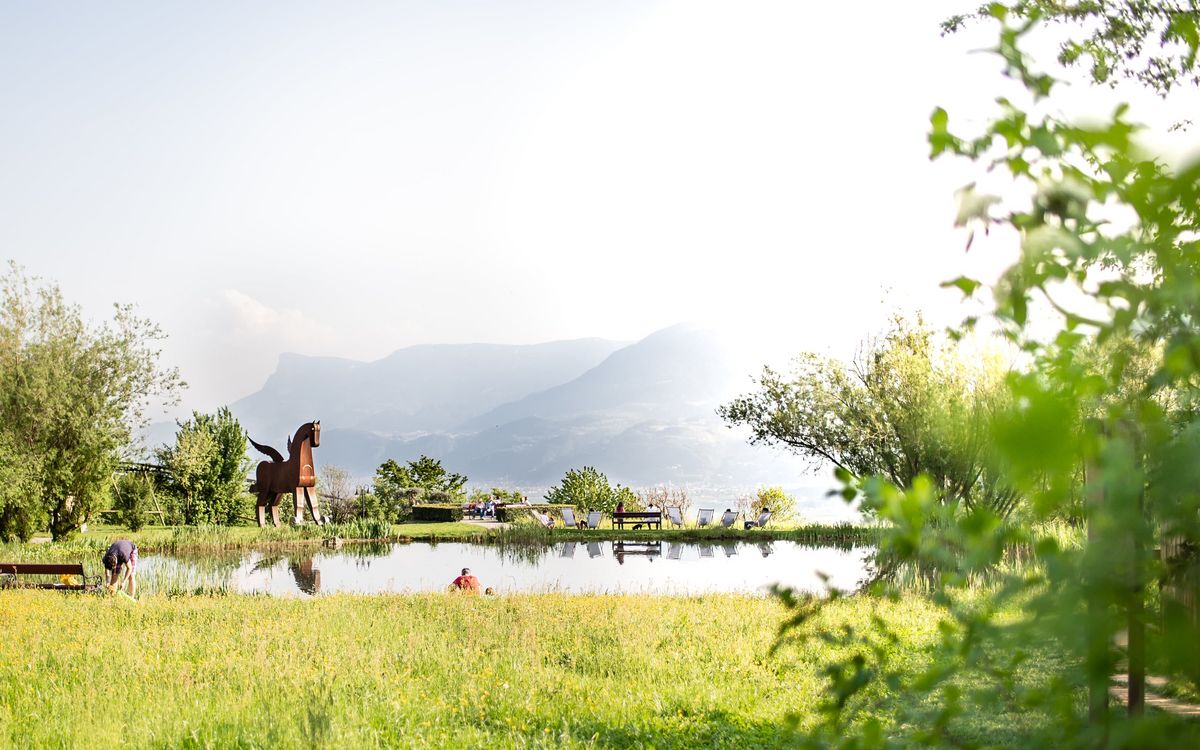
[(295, 475)]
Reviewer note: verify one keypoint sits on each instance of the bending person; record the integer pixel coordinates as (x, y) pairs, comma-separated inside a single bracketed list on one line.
[(121, 554)]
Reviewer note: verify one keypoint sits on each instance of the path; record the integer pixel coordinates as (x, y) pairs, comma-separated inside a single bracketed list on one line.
[(1119, 693)]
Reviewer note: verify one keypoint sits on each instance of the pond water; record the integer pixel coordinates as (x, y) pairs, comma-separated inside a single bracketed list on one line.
[(572, 567)]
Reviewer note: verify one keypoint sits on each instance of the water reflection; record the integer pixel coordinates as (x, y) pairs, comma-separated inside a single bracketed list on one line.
[(617, 566)]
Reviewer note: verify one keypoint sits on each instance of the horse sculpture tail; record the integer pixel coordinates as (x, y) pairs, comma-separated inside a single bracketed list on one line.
[(266, 450)]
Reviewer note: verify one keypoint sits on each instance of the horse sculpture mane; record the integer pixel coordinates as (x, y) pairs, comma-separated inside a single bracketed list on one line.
[(295, 474)]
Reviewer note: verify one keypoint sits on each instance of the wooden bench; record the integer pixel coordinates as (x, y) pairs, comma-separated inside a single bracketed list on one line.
[(646, 519), (10, 576)]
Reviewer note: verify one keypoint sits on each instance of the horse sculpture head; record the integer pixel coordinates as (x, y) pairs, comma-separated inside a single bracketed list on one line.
[(316, 432)]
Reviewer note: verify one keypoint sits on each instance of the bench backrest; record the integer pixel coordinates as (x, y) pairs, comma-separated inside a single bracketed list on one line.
[(705, 516), (52, 569)]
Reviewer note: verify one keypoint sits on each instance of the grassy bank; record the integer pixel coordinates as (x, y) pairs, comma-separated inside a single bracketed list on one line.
[(181, 539), (439, 670)]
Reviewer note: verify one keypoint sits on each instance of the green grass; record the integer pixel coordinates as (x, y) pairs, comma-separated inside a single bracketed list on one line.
[(437, 670)]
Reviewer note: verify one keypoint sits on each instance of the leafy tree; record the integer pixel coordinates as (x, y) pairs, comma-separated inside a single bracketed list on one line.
[(782, 505), (73, 395), (132, 498), (400, 486), (208, 467), (1150, 42), (21, 513), (589, 489), (909, 404)]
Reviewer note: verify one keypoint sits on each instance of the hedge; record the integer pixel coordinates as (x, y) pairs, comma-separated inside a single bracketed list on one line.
[(439, 513), (508, 513)]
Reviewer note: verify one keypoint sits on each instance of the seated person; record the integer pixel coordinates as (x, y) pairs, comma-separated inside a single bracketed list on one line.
[(466, 582), (751, 524)]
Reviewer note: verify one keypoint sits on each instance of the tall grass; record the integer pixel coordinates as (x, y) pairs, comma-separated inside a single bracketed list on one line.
[(407, 671)]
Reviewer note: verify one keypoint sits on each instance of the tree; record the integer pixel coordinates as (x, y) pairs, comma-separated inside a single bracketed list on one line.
[(337, 493), (1151, 42), (782, 505), (588, 489), (399, 487), (132, 498), (908, 404), (21, 512), (73, 395), (1109, 268), (208, 467)]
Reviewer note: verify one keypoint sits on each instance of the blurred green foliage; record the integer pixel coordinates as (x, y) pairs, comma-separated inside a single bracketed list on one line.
[(1102, 303)]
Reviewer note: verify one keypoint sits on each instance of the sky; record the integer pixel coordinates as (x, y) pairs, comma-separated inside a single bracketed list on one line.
[(348, 179)]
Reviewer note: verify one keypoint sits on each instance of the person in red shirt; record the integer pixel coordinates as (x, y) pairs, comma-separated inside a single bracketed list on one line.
[(466, 582)]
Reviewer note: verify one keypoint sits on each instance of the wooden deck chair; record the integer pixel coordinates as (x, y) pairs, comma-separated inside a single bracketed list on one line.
[(593, 519), (728, 518), (675, 514), (543, 519), (761, 521), (568, 516), (704, 517)]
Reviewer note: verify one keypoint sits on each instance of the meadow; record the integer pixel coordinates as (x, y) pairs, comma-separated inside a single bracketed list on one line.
[(429, 671)]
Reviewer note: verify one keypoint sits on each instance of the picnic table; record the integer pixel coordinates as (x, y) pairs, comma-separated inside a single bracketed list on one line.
[(651, 518)]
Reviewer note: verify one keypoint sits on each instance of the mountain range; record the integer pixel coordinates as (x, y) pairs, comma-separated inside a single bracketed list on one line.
[(642, 412)]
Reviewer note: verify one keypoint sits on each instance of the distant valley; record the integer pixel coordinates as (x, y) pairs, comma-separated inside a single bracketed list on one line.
[(642, 412)]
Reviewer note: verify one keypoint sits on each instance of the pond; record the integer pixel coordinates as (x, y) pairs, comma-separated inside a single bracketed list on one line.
[(673, 568)]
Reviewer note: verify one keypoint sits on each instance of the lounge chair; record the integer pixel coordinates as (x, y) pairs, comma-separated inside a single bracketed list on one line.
[(593, 519), (704, 517), (728, 518), (675, 514), (543, 519), (761, 521), (568, 516)]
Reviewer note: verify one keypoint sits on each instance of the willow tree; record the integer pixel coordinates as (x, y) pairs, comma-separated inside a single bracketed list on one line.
[(910, 403), (73, 395)]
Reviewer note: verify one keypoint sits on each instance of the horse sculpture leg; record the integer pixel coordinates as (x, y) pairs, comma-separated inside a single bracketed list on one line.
[(262, 508), (275, 509), (310, 496), (298, 518)]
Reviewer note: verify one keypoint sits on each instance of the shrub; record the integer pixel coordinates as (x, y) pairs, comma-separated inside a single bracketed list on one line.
[(437, 513), (589, 488), (514, 513)]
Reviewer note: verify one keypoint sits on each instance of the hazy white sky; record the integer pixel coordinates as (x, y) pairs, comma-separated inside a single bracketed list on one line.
[(351, 178)]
